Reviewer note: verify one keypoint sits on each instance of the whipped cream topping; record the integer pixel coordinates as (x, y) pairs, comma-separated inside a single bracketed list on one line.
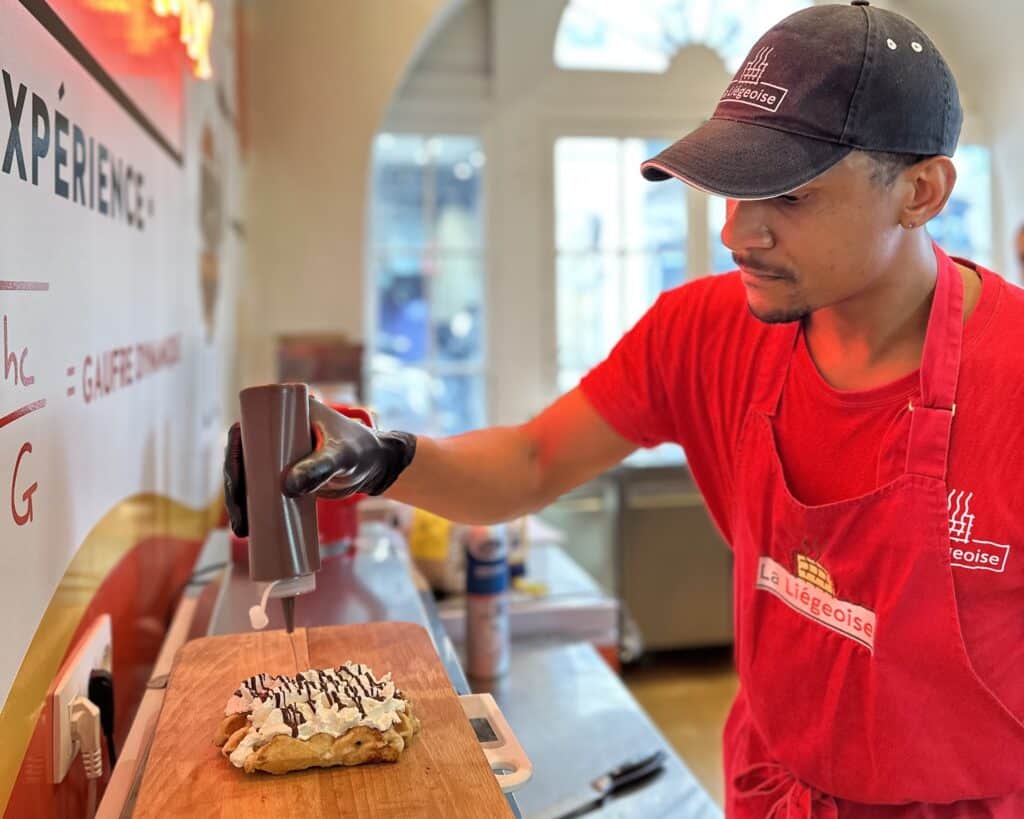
[(318, 701)]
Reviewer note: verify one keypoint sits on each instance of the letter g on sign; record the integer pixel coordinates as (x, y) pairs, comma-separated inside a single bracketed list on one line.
[(25, 516)]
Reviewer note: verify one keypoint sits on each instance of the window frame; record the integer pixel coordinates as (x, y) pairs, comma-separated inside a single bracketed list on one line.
[(620, 128)]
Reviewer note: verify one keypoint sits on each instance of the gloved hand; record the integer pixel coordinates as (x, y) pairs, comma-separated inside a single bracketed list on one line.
[(347, 458)]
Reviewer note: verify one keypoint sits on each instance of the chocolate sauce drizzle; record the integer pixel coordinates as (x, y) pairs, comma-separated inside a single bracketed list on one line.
[(255, 685), (343, 687), (293, 718)]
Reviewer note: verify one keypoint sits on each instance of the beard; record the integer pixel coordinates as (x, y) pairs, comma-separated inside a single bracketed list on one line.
[(779, 315), (796, 310)]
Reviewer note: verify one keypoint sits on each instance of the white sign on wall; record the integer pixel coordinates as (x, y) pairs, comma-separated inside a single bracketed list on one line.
[(111, 358)]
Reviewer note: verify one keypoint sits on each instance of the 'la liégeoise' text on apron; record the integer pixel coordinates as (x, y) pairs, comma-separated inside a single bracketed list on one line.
[(814, 602)]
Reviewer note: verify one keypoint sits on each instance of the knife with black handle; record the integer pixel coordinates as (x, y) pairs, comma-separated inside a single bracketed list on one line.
[(628, 773)]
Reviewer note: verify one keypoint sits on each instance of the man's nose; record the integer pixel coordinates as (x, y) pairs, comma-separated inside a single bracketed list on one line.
[(745, 227)]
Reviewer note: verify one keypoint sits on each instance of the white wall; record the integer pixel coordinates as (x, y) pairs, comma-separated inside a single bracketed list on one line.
[(322, 73), (111, 441)]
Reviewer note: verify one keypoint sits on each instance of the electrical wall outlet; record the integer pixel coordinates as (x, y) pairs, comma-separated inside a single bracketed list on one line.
[(92, 651)]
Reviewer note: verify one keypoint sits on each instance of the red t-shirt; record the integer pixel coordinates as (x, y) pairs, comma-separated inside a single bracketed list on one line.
[(686, 374)]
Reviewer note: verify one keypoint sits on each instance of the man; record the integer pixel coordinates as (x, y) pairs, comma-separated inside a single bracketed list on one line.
[(850, 403)]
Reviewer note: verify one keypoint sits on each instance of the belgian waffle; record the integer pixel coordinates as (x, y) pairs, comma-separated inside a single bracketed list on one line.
[(319, 718)]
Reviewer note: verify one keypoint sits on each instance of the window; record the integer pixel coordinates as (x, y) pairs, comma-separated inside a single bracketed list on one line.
[(620, 241), (964, 228), (721, 256), (426, 356), (644, 35)]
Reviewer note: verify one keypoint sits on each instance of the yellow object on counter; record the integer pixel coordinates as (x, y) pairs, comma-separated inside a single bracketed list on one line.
[(429, 536), (534, 588)]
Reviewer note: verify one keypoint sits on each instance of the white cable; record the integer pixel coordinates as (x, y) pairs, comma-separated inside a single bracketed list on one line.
[(86, 731), (92, 798)]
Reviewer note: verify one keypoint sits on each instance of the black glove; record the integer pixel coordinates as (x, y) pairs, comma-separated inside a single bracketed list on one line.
[(234, 483), (347, 458)]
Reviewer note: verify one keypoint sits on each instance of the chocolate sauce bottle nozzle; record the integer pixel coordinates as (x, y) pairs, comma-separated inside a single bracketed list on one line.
[(288, 609)]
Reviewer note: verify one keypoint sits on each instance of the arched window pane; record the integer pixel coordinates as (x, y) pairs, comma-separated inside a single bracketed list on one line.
[(426, 354), (620, 242), (644, 35)]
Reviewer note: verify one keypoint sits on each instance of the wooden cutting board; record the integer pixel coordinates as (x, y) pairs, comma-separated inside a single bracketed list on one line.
[(443, 772)]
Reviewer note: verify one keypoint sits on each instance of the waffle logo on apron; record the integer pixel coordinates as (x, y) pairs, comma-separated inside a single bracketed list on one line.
[(811, 592), (967, 551)]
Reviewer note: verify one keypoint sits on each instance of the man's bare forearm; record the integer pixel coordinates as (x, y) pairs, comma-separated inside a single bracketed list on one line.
[(495, 474), (486, 476)]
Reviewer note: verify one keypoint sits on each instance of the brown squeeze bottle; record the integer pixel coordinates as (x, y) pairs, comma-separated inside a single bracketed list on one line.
[(283, 543)]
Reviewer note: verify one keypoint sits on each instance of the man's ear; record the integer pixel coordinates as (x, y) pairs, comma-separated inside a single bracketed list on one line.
[(926, 187)]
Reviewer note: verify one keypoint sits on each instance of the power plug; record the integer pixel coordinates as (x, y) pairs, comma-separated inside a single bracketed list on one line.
[(101, 692), (85, 728), (93, 651)]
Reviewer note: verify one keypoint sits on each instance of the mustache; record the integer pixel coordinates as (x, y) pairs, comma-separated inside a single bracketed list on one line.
[(758, 266)]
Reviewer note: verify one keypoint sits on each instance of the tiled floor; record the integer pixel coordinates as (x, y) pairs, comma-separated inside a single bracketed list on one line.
[(688, 694)]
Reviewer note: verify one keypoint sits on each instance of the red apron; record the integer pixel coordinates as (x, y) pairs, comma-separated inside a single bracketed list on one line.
[(856, 689)]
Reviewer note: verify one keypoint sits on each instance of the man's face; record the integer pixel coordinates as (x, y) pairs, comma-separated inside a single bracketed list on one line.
[(821, 245)]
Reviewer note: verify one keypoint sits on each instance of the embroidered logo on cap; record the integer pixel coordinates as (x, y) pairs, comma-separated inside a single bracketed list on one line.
[(811, 593), (748, 88)]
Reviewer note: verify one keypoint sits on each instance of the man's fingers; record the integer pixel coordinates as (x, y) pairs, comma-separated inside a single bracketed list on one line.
[(234, 482), (310, 473)]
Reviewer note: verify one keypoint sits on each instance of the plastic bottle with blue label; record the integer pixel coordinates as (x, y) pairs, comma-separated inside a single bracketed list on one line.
[(487, 582)]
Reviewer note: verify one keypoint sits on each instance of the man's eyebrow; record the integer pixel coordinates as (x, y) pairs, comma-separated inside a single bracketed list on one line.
[(803, 189)]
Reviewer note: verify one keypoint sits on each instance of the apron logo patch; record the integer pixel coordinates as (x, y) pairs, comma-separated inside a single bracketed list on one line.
[(966, 551), (981, 554), (811, 592)]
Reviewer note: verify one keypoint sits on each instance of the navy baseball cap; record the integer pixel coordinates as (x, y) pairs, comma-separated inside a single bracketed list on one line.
[(823, 82)]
